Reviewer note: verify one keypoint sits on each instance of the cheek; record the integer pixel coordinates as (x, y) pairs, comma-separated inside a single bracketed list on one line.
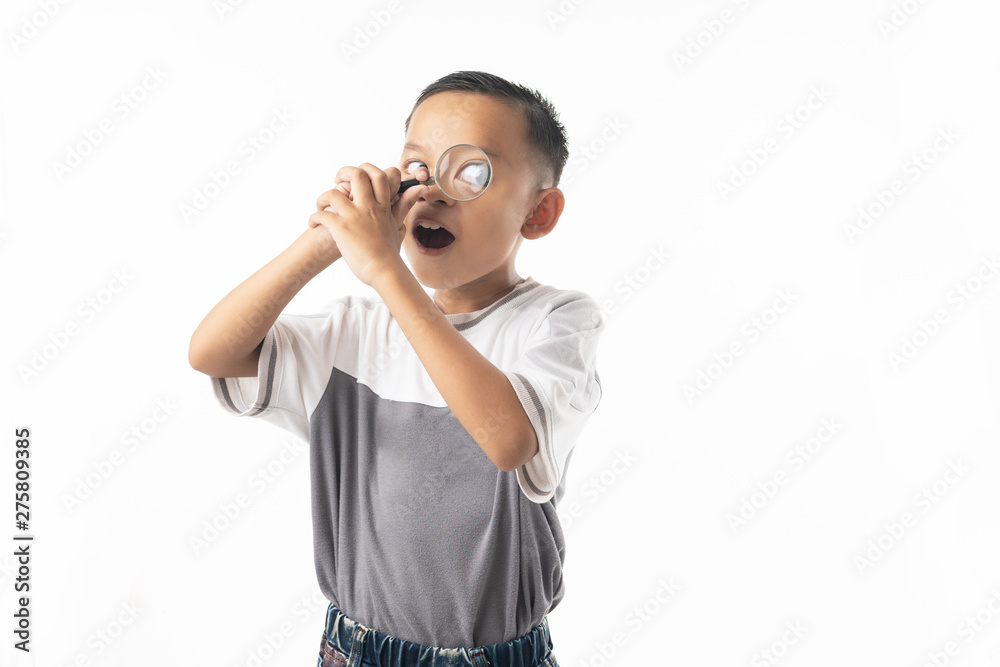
[(499, 213)]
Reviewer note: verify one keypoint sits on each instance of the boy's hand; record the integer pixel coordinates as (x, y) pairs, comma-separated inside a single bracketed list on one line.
[(364, 215)]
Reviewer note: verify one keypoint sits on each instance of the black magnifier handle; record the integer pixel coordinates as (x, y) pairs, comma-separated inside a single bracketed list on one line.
[(406, 185)]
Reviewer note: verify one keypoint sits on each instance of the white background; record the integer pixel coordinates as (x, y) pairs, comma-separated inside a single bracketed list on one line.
[(660, 134)]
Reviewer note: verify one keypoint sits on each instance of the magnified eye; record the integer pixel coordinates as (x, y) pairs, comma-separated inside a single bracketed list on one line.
[(475, 173)]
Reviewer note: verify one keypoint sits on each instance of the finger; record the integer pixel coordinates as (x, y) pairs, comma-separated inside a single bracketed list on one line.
[(325, 218), (421, 173), (337, 195), (406, 201), (361, 184), (332, 201), (379, 183), (343, 186), (343, 174), (395, 178)]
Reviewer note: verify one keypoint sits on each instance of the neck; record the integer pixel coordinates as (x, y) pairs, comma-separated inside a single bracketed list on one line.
[(474, 296)]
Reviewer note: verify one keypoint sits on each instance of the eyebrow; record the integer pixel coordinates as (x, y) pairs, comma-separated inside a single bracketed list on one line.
[(492, 153)]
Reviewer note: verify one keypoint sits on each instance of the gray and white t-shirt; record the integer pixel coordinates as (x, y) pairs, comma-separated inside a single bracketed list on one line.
[(417, 533)]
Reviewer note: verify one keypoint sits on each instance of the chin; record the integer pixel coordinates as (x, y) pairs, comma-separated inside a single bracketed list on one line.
[(429, 279), (434, 280)]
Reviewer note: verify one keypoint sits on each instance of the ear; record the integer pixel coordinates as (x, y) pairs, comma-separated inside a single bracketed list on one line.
[(543, 218)]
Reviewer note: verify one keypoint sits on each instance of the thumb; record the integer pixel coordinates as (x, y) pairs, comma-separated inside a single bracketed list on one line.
[(407, 200)]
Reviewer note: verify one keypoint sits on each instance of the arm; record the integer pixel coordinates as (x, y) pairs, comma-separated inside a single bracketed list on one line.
[(478, 393), (227, 343)]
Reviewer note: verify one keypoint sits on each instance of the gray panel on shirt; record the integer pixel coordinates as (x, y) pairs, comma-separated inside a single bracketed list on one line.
[(417, 533)]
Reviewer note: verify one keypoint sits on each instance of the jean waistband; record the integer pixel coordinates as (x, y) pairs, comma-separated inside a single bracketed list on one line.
[(370, 648)]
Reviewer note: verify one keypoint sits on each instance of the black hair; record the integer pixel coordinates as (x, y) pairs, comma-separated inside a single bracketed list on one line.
[(546, 135)]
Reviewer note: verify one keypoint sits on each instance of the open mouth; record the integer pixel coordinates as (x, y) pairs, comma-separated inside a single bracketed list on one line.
[(431, 235)]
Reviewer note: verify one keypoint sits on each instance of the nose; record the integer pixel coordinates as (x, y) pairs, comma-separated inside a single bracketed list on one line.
[(433, 193)]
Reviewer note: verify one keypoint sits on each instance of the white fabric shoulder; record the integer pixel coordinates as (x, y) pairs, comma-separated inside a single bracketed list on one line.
[(556, 380), (296, 360)]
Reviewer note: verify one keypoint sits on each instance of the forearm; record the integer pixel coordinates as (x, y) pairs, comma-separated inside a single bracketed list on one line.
[(236, 326), (478, 393)]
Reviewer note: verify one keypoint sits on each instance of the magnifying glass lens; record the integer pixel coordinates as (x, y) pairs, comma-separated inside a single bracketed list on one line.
[(463, 172)]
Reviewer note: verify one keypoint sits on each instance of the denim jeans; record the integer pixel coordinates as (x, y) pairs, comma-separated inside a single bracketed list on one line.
[(347, 643)]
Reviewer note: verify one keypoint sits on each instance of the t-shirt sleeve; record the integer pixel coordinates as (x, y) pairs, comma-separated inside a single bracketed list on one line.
[(296, 360), (557, 382)]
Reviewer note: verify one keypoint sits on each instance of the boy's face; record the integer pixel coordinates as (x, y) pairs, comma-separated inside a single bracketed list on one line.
[(488, 229)]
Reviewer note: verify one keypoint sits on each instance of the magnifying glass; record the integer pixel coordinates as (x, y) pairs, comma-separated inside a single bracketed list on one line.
[(462, 173)]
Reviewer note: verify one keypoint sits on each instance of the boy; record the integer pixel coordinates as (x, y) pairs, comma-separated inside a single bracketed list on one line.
[(439, 427)]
